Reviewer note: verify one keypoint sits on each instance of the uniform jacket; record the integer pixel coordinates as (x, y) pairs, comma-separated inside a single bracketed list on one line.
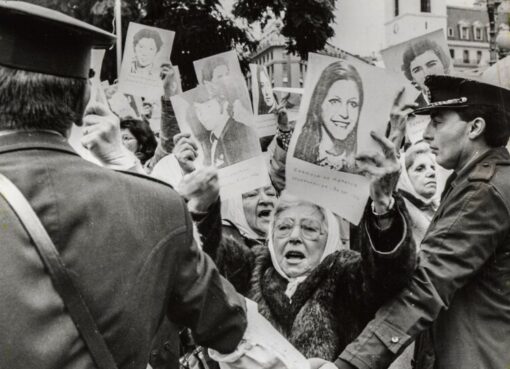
[(338, 298), (128, 242), (236, 143), (461, 288)]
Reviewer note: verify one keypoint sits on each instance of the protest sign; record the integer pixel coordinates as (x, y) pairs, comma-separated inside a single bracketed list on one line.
[(264, 102), (414, 60), (419, 57), (230, 145), (342, 103), (146, 50), (222, 76)]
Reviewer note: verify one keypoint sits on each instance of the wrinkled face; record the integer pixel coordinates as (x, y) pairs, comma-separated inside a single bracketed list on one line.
[(258, 206), (299, 239), (422, 174), (129, 140), (424, 65), (340, 109), (145, 51), (447, 136), (266, 89), (209, 113)]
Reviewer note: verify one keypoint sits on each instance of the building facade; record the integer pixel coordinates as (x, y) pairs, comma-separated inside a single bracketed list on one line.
[(361, 27)]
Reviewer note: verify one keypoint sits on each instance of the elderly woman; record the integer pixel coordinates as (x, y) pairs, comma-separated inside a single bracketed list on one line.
[(329, 135), (418, 187), (316, 294)]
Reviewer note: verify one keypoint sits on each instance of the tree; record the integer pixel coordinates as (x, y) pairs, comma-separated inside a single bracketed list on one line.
[(201, 28), (306, 23)]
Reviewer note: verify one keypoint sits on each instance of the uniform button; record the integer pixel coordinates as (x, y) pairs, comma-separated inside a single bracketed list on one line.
[(395, 339)]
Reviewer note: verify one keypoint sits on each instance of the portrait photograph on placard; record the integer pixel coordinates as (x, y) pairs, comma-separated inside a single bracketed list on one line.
[(147, 49), (419, 57), (265, 103), (223, 142), (341, 105), (222, 76)]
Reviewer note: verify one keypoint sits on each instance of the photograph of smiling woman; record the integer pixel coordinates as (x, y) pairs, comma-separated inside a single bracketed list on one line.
[(329, 135)]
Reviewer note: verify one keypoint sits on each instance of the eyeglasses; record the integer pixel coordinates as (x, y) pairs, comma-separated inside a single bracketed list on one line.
[(310, 229)]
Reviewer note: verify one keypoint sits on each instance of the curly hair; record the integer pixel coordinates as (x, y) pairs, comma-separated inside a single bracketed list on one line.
[(144, 136), (417, 48), (148, 33), (308, 142)]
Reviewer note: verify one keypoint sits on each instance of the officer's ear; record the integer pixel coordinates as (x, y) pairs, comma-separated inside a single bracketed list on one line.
[(477, 127)]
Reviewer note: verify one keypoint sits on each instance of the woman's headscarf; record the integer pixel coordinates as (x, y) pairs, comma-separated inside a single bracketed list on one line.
[(232, 210), (333, 242), (404, 182)]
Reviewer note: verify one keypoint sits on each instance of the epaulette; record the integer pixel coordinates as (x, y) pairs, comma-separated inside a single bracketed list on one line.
[(483, 172), (144, 176)]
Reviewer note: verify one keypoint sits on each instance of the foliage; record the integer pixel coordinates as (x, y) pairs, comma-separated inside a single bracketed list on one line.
[(201, 28), (306, 23)]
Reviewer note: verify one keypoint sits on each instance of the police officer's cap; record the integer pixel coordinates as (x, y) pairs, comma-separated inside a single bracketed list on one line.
[(448, 92), (37, 39)]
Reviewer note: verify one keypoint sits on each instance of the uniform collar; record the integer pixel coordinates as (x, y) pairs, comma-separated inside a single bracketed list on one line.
[(494, 155), (34, 139)]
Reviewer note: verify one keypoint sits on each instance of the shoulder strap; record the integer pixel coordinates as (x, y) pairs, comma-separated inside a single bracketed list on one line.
[(60, 277)]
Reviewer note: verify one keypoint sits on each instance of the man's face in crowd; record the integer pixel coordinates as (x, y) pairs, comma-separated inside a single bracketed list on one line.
[(447, 136), (145, 51), (220, 74), (424, 65), (209, 113)]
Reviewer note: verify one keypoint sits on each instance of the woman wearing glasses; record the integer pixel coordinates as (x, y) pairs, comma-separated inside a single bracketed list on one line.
[(316, 292)]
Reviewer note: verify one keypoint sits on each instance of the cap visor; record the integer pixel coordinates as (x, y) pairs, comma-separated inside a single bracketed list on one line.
[(426, 110)]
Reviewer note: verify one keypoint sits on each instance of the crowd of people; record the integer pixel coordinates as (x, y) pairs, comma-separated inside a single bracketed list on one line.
[(163, 273)]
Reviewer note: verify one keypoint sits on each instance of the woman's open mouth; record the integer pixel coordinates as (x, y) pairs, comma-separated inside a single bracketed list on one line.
[(294, 256), (264, 213)]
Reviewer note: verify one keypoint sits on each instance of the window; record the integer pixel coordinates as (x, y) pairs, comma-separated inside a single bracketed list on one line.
[(478, 57), (464, 32), (450, 32), (452, 53), (397, 11), (478, 33), (465, 56), (425, 6)]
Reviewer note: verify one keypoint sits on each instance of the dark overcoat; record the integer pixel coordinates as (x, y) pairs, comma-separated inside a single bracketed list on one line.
[(127, 241)]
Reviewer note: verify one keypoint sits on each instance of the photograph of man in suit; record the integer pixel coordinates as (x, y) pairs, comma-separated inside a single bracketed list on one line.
[(224, 140)]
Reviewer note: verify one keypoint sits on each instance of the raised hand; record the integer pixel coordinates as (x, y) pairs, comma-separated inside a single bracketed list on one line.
[(201, 188), (102, 137), (185, 151), (383, 170), (398, 118), (170, 80)]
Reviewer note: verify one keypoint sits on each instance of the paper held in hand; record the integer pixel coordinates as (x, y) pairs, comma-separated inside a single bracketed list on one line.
[(342, 103), (262, 347)]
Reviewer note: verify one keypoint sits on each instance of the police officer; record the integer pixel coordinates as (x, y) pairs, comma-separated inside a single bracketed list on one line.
[(460, 291), (126, 241)]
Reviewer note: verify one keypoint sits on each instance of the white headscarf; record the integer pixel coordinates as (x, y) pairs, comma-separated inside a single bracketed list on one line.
[(333, 243), (232, 210), (404, 182)]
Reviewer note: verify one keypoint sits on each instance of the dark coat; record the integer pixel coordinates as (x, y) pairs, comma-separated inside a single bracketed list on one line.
[(333, 304), (236, 143), (128, 242), (460, 291)]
